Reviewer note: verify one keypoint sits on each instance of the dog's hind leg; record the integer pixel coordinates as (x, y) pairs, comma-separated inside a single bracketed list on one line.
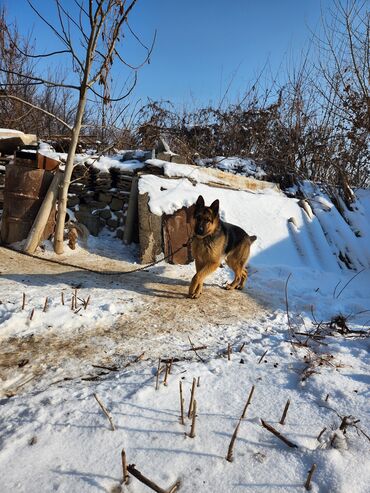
[(244, 279), (237, 260), (233, 263)]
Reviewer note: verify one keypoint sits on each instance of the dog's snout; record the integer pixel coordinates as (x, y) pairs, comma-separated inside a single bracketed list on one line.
[(199, 229)]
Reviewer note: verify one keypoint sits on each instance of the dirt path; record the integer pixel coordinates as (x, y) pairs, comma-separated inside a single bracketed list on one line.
[(164, 318)]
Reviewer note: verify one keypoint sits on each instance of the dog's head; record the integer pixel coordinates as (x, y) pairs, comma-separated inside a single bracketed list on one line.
[(206, 218)]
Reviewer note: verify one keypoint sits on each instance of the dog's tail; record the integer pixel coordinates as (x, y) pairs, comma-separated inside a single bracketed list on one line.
[(80, 231), (252, 238)]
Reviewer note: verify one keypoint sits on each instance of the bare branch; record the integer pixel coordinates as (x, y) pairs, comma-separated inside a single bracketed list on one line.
[(147, 58), (112, 100), (56, 32), (15, 98), (38, 79)]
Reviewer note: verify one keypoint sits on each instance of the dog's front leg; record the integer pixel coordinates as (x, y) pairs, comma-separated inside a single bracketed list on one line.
[(196, 285)]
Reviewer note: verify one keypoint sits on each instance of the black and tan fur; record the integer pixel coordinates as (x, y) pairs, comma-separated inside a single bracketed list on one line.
[(215, 240)]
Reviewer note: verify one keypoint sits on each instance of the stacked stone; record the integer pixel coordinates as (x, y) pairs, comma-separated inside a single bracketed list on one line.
[(101, 181), (2, 185), (99, 198), (2, 175), (81, 172), (99, 209), (121, 179)]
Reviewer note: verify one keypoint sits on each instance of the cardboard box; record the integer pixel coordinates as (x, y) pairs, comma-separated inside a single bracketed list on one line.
[(48, 163)]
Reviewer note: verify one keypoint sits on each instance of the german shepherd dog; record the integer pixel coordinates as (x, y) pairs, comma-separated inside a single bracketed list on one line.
[(215, 240)]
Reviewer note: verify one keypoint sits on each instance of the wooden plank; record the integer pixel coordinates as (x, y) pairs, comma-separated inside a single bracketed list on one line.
[(132, 213)]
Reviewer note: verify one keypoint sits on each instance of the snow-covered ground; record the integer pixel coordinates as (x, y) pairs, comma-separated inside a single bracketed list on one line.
[(55, 437)]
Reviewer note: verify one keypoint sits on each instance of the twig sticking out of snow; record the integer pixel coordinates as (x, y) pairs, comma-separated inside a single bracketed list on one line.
[(170, 366), (261, 358), (198, 382), (45, 305), (241, 347), (138, 358), (348, 282), (23, 301), (158, 372), (181, 405), (32, 313), (62, 297), (191, 398), (307, 484), (278, 435), (125, 476), (229, 456), (109, 368), (229, 352), (137, 474), (318, 438), (248, 402), (282, 420), (166, 375), (195, 350), (194, 413), (86, 302), (105, 411)]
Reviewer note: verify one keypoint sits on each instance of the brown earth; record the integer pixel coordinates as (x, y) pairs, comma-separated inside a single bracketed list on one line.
[(160, 326)]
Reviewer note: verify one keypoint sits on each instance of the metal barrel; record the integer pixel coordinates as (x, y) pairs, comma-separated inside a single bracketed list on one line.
[(25, 189)]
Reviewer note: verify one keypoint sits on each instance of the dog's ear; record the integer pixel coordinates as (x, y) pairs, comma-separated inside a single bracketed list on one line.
[(215, 206), (199, 203)]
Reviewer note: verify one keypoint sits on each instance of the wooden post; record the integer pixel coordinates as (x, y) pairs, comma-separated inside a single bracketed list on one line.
[(38, 226), (307, 484), (248, 402), (181, 405), (191, 398), (149, 483), (194, 412), (125, 476), (132, 212), (282, 420)]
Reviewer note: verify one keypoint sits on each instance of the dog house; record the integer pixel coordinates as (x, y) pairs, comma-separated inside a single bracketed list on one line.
[(166, 205)]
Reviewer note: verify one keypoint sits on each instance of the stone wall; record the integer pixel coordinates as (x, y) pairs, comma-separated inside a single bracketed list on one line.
[(99, 198)]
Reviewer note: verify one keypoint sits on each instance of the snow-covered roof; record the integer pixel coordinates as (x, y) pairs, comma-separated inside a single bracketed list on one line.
[(210, 175)]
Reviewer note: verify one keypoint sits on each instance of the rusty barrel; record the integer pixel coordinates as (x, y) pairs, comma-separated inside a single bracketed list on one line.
[(25, 189)]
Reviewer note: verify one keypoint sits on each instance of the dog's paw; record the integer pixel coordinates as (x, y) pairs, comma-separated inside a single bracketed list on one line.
[(195, 293), (194, 296), (228, 287)]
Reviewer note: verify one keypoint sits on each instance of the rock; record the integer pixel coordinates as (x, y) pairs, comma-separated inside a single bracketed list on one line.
[(105, 197), (93, 223), (112, 223), (164, 156), (96, 204), (150, 231), (171, 157), (116, 204), (105, 214), (10, 140), (73, 200), (176, 158)]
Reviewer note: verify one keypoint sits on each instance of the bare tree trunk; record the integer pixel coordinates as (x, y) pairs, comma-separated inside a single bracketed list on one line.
[(63, 194)]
